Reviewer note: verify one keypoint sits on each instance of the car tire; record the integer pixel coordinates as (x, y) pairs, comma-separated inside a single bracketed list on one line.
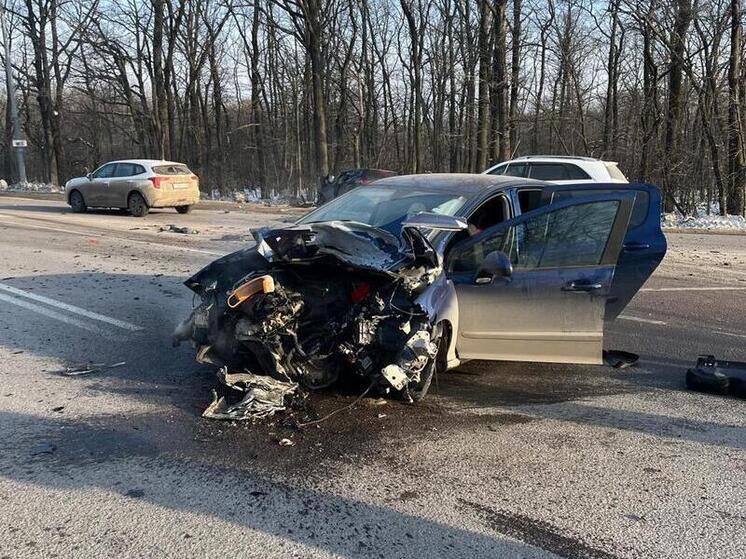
[(137, 205), (77, 202), (184, 209)]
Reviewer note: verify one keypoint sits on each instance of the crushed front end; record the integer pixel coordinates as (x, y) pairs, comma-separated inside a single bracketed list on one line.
[(318, 304)]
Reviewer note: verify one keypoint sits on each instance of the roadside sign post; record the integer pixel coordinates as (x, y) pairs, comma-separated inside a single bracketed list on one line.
[(18, 143)]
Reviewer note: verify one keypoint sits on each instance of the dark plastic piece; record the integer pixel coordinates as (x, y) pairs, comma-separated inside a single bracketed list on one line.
[(620, 359), (714, 375)]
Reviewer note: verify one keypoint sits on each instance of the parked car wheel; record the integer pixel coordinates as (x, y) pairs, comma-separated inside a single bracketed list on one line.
[(77, 203), (184, 209), (137, 205)]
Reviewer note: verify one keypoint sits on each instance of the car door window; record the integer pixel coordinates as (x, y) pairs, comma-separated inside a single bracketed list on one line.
[(571, 236), (549, 172), (499, 170), (575, 173), (516, 170), (639, 210), (105, 172), (493, 211), (529, 199), (124, 170)]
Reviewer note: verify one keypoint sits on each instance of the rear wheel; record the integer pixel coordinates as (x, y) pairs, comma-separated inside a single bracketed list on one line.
[(136, 205), (77, 203), (183, 209)]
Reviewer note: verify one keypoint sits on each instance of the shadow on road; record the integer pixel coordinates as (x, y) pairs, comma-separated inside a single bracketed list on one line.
[(114, 458), (168, 378)]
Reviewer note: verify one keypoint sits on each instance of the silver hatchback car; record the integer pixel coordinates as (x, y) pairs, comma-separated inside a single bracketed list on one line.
[(136, 185)]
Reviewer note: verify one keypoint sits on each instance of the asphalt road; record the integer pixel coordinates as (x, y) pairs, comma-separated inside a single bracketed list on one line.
[(503, 460)]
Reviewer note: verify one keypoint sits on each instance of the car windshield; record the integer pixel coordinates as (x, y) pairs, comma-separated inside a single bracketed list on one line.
[(386, 207)]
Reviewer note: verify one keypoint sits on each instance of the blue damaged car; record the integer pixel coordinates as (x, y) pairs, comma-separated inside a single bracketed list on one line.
[(394, 281)]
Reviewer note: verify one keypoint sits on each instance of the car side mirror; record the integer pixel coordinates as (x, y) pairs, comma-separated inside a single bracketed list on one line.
[(495, 265), (438, 222), (89, 176)]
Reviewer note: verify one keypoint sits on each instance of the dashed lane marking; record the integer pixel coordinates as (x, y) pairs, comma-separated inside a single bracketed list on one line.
[(69, 308), (713, 288), (49, 313), (644, 320)]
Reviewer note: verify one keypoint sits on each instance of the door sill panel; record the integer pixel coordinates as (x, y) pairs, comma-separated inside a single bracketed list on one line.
[(538, 351), (595, 337)]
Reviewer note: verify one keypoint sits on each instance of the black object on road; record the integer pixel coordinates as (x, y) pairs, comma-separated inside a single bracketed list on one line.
[(620, 359), (714, 375)]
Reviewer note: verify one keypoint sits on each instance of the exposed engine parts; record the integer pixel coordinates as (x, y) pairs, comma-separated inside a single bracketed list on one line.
[(310, 317)]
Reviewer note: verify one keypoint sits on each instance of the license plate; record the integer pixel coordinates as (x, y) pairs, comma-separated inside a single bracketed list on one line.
[(181, 185)]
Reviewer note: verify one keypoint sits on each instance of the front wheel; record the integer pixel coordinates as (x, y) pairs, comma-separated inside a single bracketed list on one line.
[(77, 203), (183, 209), (137, 205), (419, 390)]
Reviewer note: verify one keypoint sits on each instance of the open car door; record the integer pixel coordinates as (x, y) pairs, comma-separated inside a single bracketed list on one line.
[(644, 244), (534, 288)]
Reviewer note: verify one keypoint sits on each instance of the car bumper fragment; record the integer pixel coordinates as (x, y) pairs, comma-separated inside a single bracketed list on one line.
[(715, 375)]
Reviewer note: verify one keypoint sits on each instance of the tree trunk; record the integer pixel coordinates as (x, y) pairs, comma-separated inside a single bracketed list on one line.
[(737, 172), (683, 17), (163, 139), (483, 115), (515, 61), (499, 91)]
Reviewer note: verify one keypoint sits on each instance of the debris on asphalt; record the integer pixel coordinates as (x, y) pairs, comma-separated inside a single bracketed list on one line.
[(620, 359), (81, 370), (286, 442), (43, 448), (263, 396), (171, 228), (58, 409), (714, 375)]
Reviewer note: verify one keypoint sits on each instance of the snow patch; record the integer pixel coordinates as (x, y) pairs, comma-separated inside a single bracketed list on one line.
[(254, 196), (29, 187), (709, 222)]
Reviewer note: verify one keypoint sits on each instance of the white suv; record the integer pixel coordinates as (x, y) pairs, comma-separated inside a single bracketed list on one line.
[(560, 169)]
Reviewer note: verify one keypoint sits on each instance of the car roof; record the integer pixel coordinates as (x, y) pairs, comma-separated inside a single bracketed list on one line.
[(559, 158), (149, 162), (466, 183)]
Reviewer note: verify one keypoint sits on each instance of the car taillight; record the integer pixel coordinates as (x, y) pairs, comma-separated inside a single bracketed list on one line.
[(156, 181)]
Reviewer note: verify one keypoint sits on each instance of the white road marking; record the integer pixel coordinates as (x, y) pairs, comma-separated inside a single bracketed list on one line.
[(661, 323), (102, 236), (645, 320), (713, 288), (71, 308), (732, 334), (50, 313)]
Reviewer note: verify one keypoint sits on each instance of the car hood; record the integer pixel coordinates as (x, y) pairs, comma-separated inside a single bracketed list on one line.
[(356, 244), (348, 244), (77, 181)]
